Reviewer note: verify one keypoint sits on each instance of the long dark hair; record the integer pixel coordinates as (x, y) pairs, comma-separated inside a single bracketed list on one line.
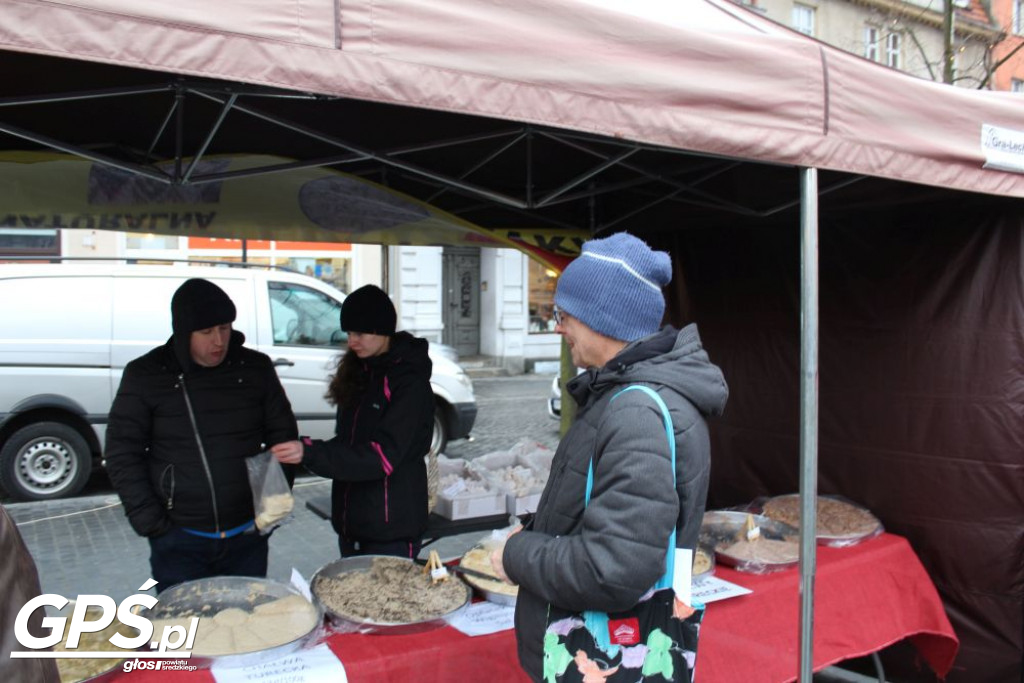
[(348, 382)]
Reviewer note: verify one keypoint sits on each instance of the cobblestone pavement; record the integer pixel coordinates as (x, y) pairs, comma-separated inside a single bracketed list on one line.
[(85, 545)]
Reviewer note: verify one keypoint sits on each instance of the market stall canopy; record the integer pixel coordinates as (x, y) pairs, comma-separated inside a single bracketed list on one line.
[(567, 114), (652, 117)]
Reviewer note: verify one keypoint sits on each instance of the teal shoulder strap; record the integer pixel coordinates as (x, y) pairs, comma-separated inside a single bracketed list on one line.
[(666, 580)]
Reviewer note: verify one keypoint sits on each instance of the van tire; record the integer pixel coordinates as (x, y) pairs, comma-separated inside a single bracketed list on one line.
[(45, 460), (439, 438)]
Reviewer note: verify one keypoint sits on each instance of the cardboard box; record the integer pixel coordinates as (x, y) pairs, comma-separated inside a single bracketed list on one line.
[(521, 505), (490, 467), (470, 505), (453, 503)]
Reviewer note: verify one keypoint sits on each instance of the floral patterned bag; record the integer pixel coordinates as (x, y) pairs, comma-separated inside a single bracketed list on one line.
[(655, 640)]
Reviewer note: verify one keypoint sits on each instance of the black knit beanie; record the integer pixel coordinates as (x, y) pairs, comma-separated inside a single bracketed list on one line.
[(370, 311), (199, 305)]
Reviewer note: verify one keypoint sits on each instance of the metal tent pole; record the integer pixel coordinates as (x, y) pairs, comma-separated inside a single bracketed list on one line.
[(808, 413)]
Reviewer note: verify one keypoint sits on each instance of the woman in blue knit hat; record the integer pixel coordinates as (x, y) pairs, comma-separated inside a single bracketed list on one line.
[(384, 427), (604, 554)]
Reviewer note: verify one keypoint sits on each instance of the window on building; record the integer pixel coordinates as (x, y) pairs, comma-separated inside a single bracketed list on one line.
[(1017, 85), (541, 297), (871, 42), (893, 44), (803, 19), (29, 242), (1018, 16)]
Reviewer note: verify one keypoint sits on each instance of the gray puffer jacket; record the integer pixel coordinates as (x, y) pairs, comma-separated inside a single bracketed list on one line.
[(605, 557)]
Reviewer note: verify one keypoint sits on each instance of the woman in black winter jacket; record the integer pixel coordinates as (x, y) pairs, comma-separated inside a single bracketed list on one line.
[(383, 431)]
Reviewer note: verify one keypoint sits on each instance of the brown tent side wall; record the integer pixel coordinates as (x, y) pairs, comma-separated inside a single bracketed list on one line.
[(921, 389)]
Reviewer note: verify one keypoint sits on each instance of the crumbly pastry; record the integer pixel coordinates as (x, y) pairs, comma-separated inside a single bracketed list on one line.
[(479, 559), (518, 479), (836, 518), (74, 670), (391, 591), (273, 509)]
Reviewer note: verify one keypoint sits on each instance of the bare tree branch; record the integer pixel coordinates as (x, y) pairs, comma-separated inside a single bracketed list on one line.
[(924, 54), (990, 72)]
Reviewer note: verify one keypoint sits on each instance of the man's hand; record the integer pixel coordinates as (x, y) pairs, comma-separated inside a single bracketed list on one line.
[(288, 452)]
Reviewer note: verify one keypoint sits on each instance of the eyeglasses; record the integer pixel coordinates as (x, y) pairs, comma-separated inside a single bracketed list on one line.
[(558, 315)]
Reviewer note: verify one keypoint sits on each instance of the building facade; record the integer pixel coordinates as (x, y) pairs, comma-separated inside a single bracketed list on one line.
[(908, 35), (1009, 53)]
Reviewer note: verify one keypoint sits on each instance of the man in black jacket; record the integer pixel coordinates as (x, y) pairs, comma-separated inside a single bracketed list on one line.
[(185, 418)]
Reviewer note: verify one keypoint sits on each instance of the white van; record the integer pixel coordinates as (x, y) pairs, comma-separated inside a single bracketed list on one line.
[(67, 331)]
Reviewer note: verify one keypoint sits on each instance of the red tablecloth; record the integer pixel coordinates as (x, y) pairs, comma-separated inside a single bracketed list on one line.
[(866, 597)]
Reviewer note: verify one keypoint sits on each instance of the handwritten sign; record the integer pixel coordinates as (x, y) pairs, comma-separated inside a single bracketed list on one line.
[(711, 588), (482, 618), (305, 666)]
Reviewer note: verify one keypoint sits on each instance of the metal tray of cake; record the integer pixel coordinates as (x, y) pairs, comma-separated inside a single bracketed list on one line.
[(364, 563), (724, 530), (207, 597), (839, 522), (492, 589), (91, 669)]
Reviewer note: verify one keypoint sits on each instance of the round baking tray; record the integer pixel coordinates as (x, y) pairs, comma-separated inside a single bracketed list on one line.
[(362, 563), (483, 586), (872, 525), (721, 528), (105, 674), (105, 666), (206, 597)]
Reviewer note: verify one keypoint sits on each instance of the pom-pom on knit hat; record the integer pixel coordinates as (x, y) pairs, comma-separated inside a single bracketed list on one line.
[(369, 310), (614, 287)]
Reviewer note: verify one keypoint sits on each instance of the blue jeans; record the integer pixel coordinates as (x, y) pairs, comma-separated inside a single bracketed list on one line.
[(409, 549), (179, 556)]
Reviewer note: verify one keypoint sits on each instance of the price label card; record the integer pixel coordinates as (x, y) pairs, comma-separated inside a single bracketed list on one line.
[(300, 583), (681, 574), (482, 618), (711, 588)]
